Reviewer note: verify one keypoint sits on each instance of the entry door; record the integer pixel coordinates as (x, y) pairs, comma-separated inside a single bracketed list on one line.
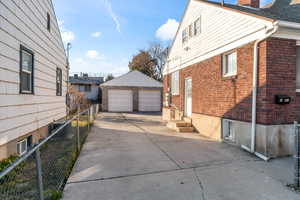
[(188, 97)]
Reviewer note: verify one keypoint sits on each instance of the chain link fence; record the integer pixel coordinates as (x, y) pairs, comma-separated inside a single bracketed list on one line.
[(42, 172)]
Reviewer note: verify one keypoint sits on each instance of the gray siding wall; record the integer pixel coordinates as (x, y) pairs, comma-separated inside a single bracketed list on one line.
[(24, 22)]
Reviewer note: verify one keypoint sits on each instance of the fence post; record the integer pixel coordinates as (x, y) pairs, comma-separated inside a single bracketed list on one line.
[(78, 130), (297, 155), (89, 118), (39, 174)]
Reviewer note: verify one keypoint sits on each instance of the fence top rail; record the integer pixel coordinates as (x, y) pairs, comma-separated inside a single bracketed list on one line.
[(33, 149)]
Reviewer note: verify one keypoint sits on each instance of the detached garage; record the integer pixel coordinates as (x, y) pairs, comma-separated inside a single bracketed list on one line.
[(132, 92)]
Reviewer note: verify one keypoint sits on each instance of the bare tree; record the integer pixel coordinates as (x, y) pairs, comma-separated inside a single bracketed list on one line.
[(159, 54), (150, 61)]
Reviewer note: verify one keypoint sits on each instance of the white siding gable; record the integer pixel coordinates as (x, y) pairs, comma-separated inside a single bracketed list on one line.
[(25, 23), (221, 31)]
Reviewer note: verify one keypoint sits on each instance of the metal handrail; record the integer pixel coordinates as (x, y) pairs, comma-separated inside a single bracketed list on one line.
[(36, 147)]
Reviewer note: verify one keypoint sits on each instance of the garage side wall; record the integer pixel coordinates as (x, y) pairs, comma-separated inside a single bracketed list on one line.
[(135, 92)]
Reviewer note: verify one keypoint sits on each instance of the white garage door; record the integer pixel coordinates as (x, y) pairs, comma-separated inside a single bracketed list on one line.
[(149, 101), (120, 101)]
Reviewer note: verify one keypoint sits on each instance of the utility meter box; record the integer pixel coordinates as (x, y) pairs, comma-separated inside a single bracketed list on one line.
[(282, 99)]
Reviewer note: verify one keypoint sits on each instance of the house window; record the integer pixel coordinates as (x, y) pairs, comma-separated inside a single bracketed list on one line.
[(175, 83), (87, 88), (58, 82), (298, 68), (185, 36), (191, 32), (48, 22), (26, 71), (228, 130), (23, 145), (230, 64), (197, 27)]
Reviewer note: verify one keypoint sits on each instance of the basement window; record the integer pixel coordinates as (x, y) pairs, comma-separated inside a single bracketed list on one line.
[(228, 130), (23, 145), (229, 64)]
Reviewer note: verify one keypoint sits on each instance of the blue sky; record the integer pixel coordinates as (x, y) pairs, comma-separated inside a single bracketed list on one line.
[(105, 34)]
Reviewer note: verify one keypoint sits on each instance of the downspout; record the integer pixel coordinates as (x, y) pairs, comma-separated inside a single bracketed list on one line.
[(254, 96)]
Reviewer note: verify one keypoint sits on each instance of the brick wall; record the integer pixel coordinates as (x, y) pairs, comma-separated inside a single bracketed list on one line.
[(232, 97), (281, 79)]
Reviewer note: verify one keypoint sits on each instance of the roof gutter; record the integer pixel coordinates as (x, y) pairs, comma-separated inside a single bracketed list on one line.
[(286, 24), (269, 33)]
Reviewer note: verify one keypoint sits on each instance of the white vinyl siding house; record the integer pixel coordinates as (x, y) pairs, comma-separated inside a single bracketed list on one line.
[(31, 51), (217, 30)]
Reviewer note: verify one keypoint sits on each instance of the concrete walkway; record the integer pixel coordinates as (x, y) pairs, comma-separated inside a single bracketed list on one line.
[(135, 157)]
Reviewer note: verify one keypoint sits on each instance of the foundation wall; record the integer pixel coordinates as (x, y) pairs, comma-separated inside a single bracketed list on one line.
[(10, 148)]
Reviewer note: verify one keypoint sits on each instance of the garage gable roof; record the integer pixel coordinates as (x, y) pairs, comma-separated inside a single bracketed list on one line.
[(133, 79)]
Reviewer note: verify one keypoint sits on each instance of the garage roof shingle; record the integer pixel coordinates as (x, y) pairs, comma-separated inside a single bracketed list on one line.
[(133, 79)]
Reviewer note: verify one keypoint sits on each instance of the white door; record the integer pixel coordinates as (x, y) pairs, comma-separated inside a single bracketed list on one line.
[(120, 101), (149, 100), (188, 97)]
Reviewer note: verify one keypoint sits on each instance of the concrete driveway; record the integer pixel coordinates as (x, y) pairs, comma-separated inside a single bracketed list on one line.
[(135, 157)]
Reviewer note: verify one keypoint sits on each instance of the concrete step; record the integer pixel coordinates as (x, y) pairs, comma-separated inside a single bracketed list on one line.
[(181, 126), (185, 129), (187, 119), (176, 124)]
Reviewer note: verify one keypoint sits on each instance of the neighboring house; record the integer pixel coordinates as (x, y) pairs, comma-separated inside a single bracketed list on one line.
[(33, 74), (234, 71), (88, 85), (132, 92)]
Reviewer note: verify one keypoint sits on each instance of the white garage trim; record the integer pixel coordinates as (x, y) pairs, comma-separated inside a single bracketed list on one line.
[(120, 100), (149, 100)]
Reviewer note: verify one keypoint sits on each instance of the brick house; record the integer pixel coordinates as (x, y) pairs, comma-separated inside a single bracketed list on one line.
[(234, 72)]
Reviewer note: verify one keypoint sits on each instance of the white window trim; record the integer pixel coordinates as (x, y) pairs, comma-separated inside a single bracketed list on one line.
[(28, 52), (232, 137), (224, 63), (19, 147), (199, 32), (177, 90), (298, 43)]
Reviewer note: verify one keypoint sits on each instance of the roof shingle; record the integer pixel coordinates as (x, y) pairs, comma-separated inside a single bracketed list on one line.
[(285, 10)]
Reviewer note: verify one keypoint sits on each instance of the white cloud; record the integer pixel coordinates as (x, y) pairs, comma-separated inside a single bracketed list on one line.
[(96, 34), (67, 36), (113, 15), (93, 54), (168, 30)]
